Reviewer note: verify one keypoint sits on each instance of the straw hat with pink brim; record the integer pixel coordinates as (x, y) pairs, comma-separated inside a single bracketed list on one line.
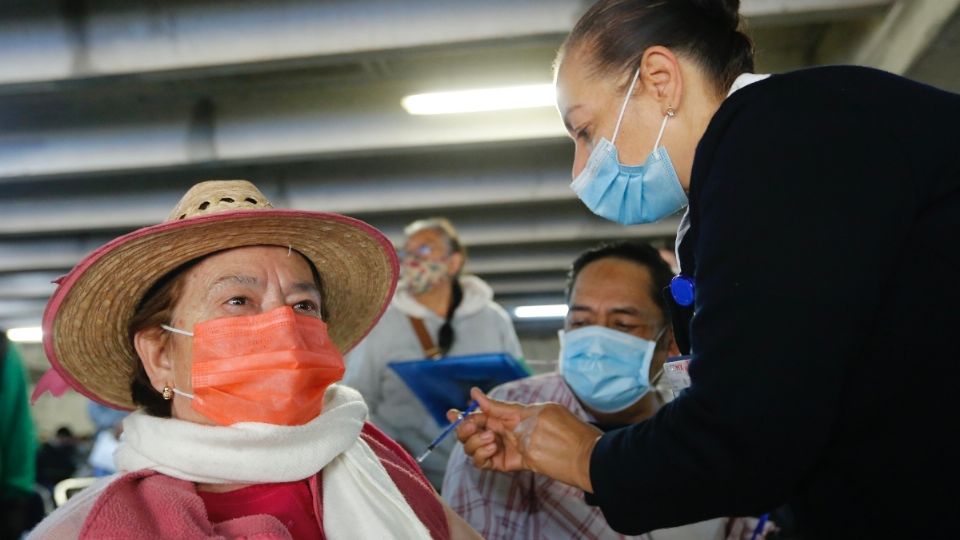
[(85, 323)]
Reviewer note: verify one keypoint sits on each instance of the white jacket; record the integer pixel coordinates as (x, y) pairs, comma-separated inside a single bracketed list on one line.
[(480, 326)]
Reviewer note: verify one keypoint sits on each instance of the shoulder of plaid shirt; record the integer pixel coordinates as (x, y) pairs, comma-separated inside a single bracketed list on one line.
[(524, 505)]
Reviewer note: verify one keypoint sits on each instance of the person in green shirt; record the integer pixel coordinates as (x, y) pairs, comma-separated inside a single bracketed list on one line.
[(18, 443)]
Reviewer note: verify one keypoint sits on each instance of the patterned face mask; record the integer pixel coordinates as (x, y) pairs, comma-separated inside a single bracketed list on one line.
[(419, 276)]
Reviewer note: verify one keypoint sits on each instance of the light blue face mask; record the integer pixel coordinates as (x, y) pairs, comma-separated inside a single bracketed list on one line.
[(630, 194), (608, 370)]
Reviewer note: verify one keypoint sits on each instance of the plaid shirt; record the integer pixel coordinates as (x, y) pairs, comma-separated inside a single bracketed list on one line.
[(524, 505)]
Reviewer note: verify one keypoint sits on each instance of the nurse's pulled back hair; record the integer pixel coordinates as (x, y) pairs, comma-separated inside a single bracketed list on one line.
[(617, 32), (636, 252), (452, 239)]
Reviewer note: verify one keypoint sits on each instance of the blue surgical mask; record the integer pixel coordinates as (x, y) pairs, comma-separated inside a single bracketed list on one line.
[(608, 370), (630, 194)]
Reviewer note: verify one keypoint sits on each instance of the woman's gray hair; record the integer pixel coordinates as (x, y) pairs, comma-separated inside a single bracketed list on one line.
[(441, 225)]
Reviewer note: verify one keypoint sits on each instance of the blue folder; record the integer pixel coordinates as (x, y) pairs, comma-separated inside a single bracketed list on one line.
[(445, 384)]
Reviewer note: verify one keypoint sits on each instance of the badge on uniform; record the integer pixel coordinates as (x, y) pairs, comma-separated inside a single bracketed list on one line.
[(675, 375)]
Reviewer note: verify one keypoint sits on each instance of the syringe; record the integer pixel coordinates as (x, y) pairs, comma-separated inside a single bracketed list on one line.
[(443, 434)]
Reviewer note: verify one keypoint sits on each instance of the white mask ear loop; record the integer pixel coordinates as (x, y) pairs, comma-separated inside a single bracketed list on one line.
[(655, 380), (623, 108), (663, 126), (176, 330), (182, 333), (660, 334)]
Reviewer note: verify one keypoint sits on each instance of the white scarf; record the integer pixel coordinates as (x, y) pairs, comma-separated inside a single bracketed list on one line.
[(359, 498)]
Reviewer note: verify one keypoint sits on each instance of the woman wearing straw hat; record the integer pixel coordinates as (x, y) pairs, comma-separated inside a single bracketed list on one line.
[(224, 326)]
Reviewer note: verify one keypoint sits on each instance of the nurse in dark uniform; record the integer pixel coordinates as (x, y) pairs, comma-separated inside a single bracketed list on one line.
[(820, 261)]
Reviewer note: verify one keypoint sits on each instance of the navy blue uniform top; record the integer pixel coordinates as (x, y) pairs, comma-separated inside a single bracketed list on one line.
[(824, 241)]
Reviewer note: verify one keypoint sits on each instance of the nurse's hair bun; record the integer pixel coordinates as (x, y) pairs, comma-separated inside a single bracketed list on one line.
[(615, 34), (725, 11)]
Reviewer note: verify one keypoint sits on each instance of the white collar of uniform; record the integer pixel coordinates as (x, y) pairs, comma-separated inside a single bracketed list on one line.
[(746, 79)]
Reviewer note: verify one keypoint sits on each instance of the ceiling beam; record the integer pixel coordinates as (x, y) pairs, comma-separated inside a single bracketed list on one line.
[(114, 136), (778, 12), (39, 43), (937, 65), (904, 34), (370, 187), (137, 36), (28, 285)]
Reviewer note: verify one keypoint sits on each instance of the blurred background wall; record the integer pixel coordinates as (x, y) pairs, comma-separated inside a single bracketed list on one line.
[(110, 110)]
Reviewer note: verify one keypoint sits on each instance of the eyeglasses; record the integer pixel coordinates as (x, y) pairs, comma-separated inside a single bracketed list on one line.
[(421, 252)]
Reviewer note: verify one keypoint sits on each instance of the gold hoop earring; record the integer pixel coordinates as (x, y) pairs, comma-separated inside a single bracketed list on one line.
[(167, 393)]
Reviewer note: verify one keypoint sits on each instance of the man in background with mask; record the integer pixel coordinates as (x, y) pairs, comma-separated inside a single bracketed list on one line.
[(615, 340)]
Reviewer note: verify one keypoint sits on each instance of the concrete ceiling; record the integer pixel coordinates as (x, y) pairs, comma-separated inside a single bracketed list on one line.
[(110, 110)]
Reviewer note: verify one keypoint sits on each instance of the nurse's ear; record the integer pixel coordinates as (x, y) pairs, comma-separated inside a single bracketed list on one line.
[(661, 78), (151, 346)]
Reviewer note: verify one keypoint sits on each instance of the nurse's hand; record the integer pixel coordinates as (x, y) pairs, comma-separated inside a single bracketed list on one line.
[(545, 438)]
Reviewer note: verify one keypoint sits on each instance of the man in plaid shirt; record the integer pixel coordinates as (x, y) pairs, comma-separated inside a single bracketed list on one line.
[(617, 287)]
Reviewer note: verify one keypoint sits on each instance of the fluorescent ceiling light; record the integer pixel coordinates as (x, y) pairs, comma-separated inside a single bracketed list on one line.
[(481, 100), (31, 334), (550, 311)]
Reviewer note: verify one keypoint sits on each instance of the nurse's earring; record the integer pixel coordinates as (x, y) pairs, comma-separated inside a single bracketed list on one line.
[(671, 112), (167, 393)]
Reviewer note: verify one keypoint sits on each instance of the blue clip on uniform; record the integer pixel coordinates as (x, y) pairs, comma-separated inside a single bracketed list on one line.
[(682, 290)]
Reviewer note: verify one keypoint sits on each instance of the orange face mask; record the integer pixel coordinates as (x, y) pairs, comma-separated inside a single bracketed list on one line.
[(272, 368)]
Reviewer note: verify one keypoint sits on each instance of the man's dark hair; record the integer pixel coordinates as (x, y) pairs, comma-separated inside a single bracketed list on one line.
[(636, 252)]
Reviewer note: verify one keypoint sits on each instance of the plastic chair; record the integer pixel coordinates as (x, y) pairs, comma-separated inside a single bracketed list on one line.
[(69, 487)]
